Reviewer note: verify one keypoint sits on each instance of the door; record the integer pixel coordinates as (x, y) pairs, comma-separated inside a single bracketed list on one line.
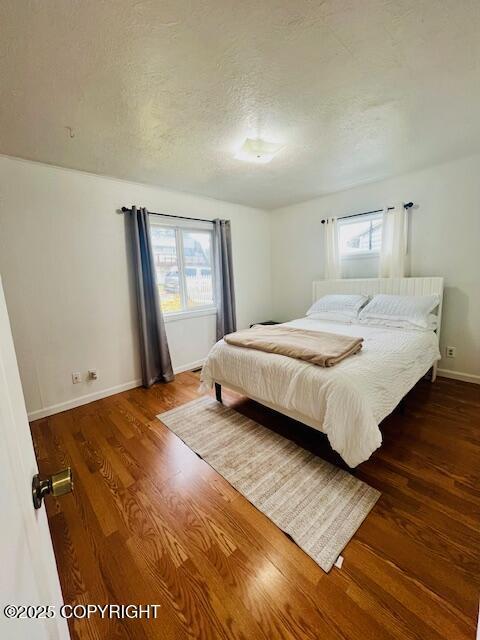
[(28, 573)]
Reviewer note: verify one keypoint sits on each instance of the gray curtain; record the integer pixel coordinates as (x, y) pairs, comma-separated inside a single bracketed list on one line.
[(154, 352), (225, 291)]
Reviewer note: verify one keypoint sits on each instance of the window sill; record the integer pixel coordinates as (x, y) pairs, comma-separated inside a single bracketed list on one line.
[(360, 256), (185, 315)]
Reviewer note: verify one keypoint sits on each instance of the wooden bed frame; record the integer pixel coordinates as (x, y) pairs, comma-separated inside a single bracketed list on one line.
[(368, 287)]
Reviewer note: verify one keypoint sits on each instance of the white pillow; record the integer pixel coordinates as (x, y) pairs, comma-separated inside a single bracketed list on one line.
[(333, 316), (346, 305), (432, 323), (414, 310)]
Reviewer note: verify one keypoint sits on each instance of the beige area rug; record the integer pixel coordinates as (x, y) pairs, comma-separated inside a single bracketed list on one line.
[(318, 505)]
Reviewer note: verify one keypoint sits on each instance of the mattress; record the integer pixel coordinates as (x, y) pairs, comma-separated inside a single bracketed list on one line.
[(347, 401)]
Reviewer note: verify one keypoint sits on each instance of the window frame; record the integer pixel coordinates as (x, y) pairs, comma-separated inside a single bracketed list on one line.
[(365, 253), (188, 226)]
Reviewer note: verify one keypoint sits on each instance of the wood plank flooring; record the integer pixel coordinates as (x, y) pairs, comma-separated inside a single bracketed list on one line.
[(149, 522)]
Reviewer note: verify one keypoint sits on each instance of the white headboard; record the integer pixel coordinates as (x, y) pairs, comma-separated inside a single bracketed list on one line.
[(393, 286)]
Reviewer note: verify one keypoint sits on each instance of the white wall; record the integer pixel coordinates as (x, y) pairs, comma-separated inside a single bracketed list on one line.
[(444, 241), (64, 260)]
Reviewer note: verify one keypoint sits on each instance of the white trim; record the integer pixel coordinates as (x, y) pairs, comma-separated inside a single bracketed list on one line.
[(104, 393), (459, 375), (181, 223), (77, 402), (189, 367), (179, 227), (361, 255), (193, 313), (351, 219)]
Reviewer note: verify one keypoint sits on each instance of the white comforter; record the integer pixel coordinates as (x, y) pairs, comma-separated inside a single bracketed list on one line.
[(349, 399)]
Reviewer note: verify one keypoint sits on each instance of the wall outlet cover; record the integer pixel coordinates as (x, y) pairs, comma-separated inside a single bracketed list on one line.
[(76, 377)]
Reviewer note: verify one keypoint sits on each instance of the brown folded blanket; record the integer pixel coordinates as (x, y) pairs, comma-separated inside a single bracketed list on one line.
[(318, 347)]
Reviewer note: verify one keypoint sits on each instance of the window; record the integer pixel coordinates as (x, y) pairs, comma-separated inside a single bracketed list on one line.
[(183, 262), (360, 236)]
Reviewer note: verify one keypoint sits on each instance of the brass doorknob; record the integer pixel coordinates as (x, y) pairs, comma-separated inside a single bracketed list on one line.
[(57, 484)]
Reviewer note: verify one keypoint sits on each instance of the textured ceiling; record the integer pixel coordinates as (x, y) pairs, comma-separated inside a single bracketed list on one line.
[(164, 91)]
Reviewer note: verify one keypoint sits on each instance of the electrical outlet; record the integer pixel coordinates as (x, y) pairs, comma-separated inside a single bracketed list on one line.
[(76, 377), (93, 374), (451, 352)]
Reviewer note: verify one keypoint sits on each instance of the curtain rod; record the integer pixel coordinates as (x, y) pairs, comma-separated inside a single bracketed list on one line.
[(169, 215), (407, 205)]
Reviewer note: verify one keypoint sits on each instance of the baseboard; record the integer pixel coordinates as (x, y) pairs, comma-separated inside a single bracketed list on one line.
[(458, 375), (98, 395), (77, 402), (189, 367)]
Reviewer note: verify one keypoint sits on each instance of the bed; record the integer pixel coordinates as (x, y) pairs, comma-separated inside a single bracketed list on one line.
[(347, 402)]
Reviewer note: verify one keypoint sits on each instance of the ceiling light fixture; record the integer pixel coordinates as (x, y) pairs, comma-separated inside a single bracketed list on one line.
[(259, 151)]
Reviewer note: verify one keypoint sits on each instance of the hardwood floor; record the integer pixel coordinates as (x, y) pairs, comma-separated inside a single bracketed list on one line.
[(149, 522)]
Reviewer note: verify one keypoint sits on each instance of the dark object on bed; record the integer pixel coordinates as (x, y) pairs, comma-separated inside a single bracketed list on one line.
[(267, 322)]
